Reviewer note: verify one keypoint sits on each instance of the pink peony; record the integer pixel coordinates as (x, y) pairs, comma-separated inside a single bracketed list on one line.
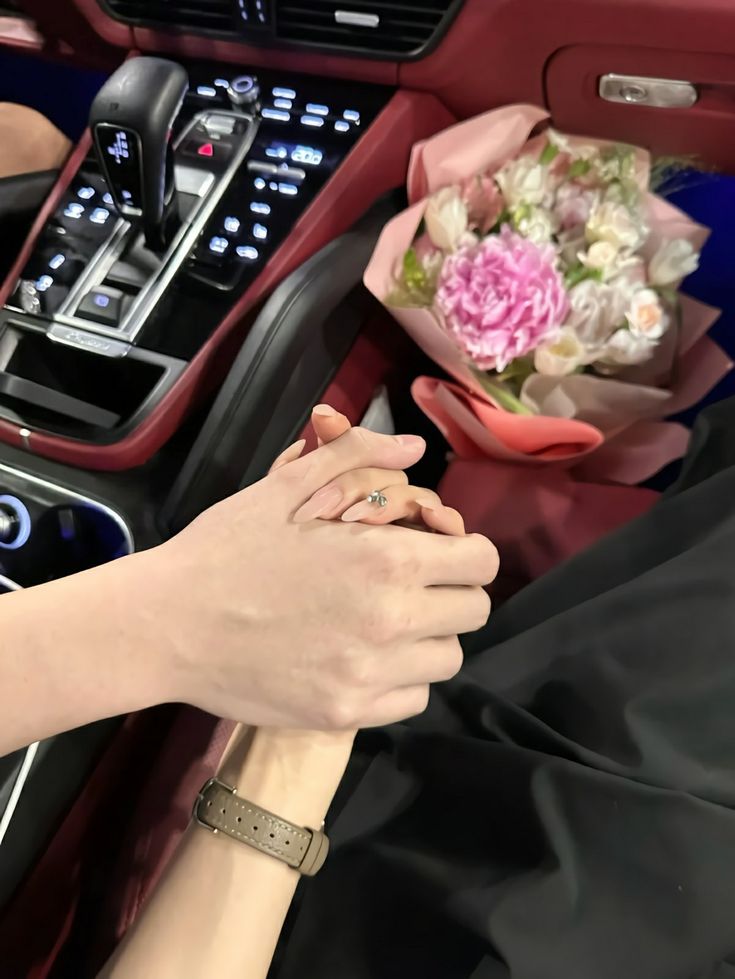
[(502, 298)]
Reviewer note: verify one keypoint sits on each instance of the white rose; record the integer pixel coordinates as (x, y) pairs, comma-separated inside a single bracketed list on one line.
[(626, 350), (597, 309), (674, 261), (601, 256), (617, 225), (561, 356), (646, 316), (538, 225), (574, 205), (582, 151), (446, 219), (524, 181)]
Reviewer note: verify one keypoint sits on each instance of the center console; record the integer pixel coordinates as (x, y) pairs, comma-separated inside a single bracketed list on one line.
[(194, 180)]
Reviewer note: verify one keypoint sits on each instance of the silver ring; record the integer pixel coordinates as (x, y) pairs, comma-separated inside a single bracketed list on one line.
[(377, 497)]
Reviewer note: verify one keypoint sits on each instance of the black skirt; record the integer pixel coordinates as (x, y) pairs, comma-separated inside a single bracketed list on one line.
[(566, 807)]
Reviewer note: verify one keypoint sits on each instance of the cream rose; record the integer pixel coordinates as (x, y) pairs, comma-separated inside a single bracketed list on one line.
[(560, 356), (597, 310), (446, 219), (538, 225), (646, 316), (615, 224), (524, 182), (601, 256), (674, 261)]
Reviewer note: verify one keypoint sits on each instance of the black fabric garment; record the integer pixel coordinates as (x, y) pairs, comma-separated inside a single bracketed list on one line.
[(566, 807)]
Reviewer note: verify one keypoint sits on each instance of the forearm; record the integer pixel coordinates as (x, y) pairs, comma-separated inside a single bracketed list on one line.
[(220, 908), (75, 651)]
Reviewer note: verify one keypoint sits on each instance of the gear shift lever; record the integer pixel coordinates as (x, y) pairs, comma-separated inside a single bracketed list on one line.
[(131, 120)]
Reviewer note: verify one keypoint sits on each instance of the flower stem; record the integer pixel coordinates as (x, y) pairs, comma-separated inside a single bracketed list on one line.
[(506, 400)]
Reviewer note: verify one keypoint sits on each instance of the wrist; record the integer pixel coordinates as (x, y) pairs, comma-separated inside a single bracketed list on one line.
[(293, 774)]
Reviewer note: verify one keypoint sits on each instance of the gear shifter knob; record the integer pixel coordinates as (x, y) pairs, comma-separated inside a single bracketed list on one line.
[(131, 120)]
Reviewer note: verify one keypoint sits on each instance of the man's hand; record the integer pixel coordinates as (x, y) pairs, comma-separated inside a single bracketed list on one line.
[(314, 625)]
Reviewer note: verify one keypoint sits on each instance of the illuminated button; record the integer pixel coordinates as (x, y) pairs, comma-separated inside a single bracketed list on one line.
[(288, 190), (232, 225), (206, 149), (107, 199), (259, 183), (341, 126), (283, 103), (277, 152), (218, 246), (315, 109), (260, 232), (207, 91), (273, 185), (352, 115), (44, 283), (307, 155), (99, 215), (126, 195), (284, 93), (85, 193), (221, 83), (243, 84), (315, 122), (57, 261), (73, 210), (248, 252), (258, 207), (101, 300), (277, 115)]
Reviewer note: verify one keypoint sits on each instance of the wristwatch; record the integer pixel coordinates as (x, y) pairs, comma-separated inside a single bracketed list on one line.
[(219, 809)]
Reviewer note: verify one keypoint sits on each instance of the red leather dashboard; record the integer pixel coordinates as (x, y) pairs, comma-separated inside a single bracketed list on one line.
[(497, 51)]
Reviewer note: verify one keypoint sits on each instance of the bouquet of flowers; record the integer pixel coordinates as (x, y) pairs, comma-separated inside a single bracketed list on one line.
[(544, 276)]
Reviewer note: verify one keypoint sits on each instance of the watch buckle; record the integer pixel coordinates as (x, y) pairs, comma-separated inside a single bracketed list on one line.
[(201, 797)]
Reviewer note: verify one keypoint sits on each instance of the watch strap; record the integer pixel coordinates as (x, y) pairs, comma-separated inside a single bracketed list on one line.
[(219, 809)]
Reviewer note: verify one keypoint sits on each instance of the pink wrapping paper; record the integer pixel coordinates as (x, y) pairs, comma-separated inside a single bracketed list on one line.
[(607, 419)]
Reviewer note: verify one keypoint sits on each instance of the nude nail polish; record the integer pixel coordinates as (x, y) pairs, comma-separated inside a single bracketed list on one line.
[(322, 503), (289, 455), (324, 411), (360, 511)]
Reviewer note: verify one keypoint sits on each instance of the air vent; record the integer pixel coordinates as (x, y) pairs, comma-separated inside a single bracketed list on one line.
[(201, 15), (397, 27)]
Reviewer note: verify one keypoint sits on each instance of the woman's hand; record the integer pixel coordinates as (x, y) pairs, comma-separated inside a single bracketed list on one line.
[(346, 497)]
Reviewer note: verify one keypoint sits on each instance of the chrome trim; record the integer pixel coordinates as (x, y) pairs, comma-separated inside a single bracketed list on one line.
[(356, 18), (652, 93), (70, 336), (60, 488), (114, 242)]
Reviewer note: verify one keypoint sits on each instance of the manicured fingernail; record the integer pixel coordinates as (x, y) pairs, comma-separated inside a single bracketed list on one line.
[(289, 455), (324, 411), (360, 511), (410, 441), (322, 502), (424, 503)]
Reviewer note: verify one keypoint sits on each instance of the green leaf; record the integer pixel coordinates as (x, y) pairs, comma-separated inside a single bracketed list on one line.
[(581, 273), (505, 218), (414, 274), (580, 168), (549, 154)]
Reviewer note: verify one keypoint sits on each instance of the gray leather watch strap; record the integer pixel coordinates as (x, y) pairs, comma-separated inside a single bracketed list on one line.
[(220, 810)]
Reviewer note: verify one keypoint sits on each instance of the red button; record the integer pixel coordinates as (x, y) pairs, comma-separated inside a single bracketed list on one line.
[(206, 149)]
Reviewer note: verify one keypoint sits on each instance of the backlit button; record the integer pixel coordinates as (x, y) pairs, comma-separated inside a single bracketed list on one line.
[(232, 225), (207, 91), (260, 232), (218, 246), (315, 122), (221, 83), (107, 199), (284, 93), (248, 252), (307, 155), (44, 283), (341, 126), (288, 190), (57, 261), (73, 210), (99, 215), (102, 306), (258, 207), (276, 115), (315, 109), (277, 152), (283, 103), (352, 115), (273, 185), (259, 183), (85, 193)]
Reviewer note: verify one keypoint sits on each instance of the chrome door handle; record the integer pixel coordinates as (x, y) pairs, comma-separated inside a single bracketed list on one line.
[(655, 93)]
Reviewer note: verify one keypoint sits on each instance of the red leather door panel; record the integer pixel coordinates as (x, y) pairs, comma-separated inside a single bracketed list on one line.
[(707, 129)]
